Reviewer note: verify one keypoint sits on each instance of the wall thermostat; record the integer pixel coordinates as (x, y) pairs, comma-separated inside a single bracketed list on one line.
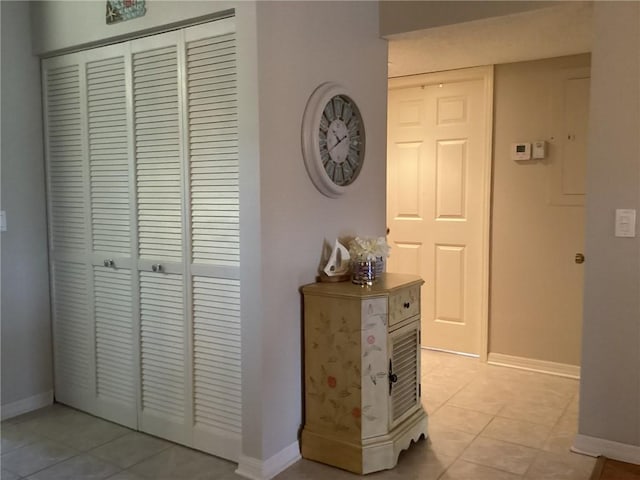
[(520, 151)]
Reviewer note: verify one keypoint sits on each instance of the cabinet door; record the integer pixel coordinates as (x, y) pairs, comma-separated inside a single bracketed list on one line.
[(404, 367)]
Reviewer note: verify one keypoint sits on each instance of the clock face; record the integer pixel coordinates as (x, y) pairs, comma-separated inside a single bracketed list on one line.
[(333, 140), (340, 140)]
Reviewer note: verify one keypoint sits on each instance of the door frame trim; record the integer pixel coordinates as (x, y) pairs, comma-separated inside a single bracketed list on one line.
[(485, 73)]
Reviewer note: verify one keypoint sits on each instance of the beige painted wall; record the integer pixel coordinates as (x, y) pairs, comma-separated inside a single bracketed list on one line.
[(536, 288), (300, 45), (610, 387), (26, 331)]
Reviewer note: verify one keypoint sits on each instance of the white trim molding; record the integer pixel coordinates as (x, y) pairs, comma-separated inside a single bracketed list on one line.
[(28, 404), (533, 365), (594, 446), (255, 469)]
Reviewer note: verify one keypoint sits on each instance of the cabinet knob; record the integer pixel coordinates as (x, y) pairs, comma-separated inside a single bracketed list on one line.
[(406, 305), (109, 263), (157, 267)]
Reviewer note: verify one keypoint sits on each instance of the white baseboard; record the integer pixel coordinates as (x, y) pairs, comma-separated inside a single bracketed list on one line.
[(255, 469), (26, 405), (533, 365), (595, 447)]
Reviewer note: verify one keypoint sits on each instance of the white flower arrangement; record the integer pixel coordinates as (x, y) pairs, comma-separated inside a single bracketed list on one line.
[(369, 248)]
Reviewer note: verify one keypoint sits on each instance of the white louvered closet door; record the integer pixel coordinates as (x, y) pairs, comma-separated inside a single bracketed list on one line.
[(142, 155), (109, 147), (87, 144), (159, 159), (212, 121), (63, 87)]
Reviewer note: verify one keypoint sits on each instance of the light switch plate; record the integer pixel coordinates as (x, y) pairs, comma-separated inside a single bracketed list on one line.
[(625, 222)]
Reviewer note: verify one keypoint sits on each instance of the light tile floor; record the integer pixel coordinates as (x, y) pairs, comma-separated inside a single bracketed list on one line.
[(486, 423)]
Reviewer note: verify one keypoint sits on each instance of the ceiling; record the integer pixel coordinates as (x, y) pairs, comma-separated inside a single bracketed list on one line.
[(555, 31)]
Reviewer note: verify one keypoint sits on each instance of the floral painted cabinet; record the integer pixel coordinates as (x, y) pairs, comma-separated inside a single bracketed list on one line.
[(362, 372)]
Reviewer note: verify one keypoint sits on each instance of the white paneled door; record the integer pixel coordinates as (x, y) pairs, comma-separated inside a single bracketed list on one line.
[(437, 210), (142, 163)]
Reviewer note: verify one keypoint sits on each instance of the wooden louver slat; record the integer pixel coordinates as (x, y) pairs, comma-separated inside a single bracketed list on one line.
[(213, 151), (115, 369), (216, 328), (65, 158), (108, 155), (162, 343), (155, 93), (404, 395), (71, 326)]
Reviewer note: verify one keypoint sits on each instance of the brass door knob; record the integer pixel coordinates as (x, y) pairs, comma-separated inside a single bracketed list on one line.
[(579, 258)]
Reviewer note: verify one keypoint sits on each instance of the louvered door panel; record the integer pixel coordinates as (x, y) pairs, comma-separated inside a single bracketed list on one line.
[(404, 364), (108, 134), (158, 157), (115, 366), (64, 135), (217, 360), (162, 346), (213, 149), (71, 331), (212, 125)]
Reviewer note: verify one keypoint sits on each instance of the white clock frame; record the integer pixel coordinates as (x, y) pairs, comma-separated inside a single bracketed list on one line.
[(310, 140)]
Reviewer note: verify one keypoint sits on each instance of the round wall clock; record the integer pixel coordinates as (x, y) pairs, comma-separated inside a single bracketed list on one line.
[(333, 139)]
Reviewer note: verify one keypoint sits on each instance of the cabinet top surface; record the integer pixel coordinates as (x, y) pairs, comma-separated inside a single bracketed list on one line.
[(387, 283)]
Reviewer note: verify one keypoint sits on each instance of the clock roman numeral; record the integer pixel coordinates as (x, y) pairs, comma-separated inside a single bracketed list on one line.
[(338, 106), (352, 161), (324, 123), (354, 148), (330, 168), (329, 112), (338, 176), (353, 128), (347, 171)]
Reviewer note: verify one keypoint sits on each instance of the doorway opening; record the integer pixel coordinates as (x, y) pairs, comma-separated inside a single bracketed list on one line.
[(536, 219)]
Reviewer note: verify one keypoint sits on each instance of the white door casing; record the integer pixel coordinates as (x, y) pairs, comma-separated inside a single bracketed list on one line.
[(438, 192)]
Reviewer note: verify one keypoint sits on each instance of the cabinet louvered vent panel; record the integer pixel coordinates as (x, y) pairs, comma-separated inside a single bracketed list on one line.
[(162, 343), (217, 370), (108, 155), (71, 325), (158, 164), (213, 148), (65, 157), (114, 334), (404, 395)]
